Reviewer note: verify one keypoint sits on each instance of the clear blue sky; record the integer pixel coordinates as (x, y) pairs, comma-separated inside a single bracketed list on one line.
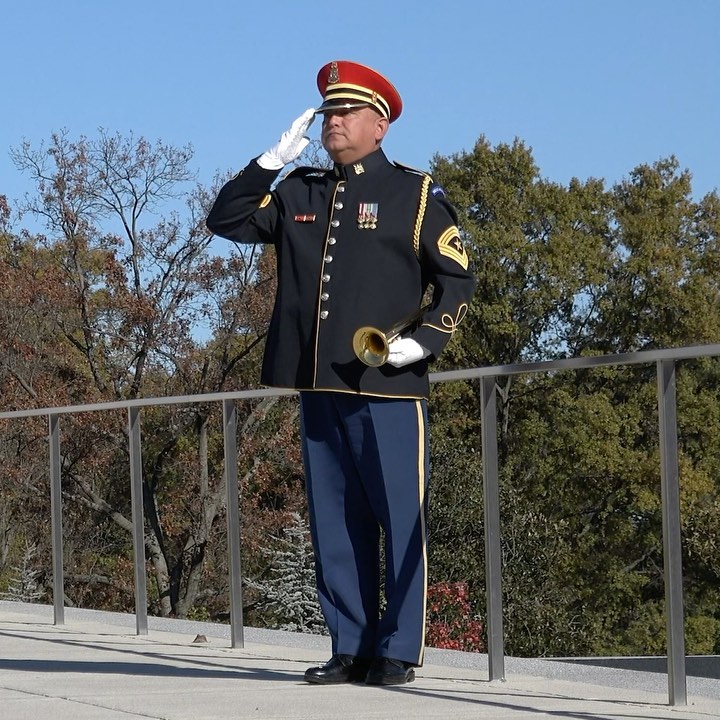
[(594, 87)]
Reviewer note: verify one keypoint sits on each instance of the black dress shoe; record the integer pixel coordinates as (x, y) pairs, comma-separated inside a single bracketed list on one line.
[(386, 671), (339, 669)]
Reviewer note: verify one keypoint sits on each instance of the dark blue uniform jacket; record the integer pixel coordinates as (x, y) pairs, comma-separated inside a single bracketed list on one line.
[(356, 245)]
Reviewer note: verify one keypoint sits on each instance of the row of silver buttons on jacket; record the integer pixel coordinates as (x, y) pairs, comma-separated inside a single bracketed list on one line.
[(328, 258)]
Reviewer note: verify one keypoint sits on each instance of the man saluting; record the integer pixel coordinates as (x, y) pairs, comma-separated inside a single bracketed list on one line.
[(357, 246)]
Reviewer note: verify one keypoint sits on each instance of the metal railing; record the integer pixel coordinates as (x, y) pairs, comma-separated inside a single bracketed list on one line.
[(669, 476)]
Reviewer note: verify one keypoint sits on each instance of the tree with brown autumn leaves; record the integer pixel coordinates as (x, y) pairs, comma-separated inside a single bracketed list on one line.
[(109, 305)]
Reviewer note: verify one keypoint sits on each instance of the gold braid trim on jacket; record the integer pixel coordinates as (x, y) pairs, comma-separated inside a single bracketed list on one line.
[(421, 213)]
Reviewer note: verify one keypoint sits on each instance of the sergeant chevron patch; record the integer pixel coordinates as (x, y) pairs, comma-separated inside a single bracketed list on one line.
[(450, 246)]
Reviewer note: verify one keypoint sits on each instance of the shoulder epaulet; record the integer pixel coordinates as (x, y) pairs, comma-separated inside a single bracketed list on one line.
[(306, 171), (408, 168), (434, 189)]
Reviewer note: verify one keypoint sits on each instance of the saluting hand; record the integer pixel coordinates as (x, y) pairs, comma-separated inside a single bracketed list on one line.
[(291, 144)]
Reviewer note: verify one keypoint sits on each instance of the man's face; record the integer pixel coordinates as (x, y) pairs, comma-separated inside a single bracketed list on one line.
[(350, 134)]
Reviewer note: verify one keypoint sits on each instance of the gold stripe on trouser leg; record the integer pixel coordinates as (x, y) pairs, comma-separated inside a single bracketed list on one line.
[(421, 495)]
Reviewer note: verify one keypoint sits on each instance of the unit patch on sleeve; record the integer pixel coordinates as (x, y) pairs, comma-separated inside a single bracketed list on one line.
[(450, 246)]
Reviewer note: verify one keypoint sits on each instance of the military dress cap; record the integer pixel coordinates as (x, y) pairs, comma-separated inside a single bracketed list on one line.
[(345, 84)]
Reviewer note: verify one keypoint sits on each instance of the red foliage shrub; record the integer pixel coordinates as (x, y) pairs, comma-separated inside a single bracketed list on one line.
[(451, 624)]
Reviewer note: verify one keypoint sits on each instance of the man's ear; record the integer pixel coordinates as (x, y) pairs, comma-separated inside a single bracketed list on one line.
[(381, 128)]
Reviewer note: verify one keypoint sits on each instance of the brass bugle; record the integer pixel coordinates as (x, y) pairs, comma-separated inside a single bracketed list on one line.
[(371, 345)]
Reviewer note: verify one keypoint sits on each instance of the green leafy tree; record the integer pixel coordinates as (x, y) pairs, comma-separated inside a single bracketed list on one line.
[(562, 272)]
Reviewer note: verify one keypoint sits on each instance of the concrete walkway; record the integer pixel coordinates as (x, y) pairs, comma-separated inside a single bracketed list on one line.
[(94, 667)]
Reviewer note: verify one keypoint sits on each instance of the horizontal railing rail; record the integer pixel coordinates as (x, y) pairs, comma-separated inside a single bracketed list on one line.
[(664, 359)]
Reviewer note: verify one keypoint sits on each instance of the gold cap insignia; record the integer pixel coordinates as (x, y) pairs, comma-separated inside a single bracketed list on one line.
[(334, 74)]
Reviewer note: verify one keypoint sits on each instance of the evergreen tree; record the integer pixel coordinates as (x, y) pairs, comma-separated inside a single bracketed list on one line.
[(288, 594), (25, 585)]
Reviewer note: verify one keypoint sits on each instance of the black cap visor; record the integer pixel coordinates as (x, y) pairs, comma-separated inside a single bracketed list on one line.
[(340, 104)]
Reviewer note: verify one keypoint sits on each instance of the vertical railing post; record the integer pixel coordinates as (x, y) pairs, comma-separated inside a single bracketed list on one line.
[(672, 540), (493, 564), (233, 523), (56, 521), (138, 521)]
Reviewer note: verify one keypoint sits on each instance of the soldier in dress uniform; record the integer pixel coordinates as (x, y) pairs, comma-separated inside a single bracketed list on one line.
[(357, 245)]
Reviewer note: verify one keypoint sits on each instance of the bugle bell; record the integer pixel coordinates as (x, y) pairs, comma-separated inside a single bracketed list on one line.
[(371, 344)]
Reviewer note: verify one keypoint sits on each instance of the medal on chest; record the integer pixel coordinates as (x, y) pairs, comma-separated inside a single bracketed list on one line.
[(367, 216)]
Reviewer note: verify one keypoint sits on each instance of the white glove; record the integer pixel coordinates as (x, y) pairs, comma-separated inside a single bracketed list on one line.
[(290, 145), (404, 351)]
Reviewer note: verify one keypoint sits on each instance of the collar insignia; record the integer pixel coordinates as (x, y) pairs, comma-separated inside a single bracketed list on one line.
[(358, 168), (367, 216)]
